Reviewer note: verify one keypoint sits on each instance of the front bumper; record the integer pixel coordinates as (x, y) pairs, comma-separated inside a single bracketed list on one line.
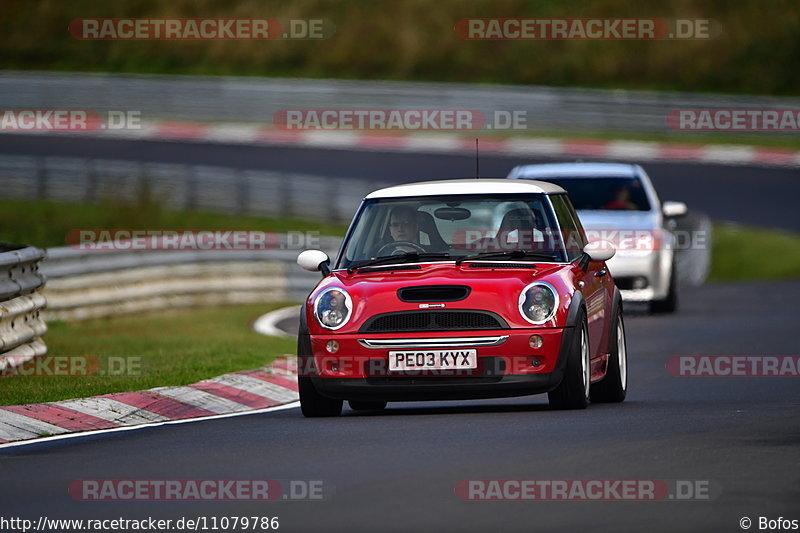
[(655, 267), (507, 368), (423, 389)]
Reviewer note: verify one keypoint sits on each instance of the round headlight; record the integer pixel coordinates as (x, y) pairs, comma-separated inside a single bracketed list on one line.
[(332, 308), (538, 302)]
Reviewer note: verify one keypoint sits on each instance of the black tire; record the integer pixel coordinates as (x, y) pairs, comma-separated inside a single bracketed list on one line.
[(573, 391), (670, 303), (312, 403), (357, 405), (614, 386), (315, 405)]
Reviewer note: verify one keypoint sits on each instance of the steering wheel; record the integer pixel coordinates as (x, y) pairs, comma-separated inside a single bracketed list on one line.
[(386, 248)]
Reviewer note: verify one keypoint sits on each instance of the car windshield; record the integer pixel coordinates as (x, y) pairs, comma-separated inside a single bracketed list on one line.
[(606, 193), (437, 228)]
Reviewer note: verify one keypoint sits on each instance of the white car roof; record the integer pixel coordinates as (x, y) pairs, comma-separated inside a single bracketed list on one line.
[(588, 170), (467, 186)]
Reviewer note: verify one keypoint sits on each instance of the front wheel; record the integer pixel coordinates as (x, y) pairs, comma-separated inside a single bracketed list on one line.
[(313, 404), (615, 385), (573, 391)]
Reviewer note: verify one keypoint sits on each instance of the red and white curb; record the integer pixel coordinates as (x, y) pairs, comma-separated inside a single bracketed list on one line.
[(640, 151), (249, 391)]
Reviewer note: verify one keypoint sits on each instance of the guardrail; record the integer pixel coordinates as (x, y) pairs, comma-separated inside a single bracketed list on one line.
[(88, 284), (21, 303), (222, 189), (258, 99)]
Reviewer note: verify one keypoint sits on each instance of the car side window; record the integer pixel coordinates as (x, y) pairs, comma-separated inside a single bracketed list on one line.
[(570, 224)]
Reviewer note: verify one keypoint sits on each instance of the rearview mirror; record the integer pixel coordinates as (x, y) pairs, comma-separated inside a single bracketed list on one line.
[(452, 213), (314, 260), (674, 209), (599, 250)]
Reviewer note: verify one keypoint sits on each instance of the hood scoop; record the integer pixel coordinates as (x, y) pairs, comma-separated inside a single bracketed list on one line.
[(434, 293)]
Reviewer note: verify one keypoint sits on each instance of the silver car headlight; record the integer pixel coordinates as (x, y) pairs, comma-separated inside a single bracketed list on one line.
[(333, 308), (538, 302)]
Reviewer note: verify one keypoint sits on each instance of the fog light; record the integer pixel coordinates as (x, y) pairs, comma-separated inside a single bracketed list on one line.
[(639, 283), (536, 363), (332, 346), (535, 341)]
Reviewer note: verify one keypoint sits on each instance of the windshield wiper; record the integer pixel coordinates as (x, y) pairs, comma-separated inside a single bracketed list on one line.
[(512, 254), (399, 258)]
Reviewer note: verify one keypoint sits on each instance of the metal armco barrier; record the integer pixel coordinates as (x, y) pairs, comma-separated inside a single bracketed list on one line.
[(222, 189), (88, 284), (21, 303), (226, 98)]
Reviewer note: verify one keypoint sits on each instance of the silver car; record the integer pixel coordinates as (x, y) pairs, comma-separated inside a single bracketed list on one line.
[(618, 203)]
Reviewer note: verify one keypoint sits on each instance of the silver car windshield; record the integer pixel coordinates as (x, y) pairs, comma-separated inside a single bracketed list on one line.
[(452, 227), (623, 193)]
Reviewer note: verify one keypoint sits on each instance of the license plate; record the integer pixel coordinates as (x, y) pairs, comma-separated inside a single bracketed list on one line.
[(433, 359)]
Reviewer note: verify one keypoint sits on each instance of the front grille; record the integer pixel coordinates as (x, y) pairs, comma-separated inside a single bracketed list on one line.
[(450, 320)]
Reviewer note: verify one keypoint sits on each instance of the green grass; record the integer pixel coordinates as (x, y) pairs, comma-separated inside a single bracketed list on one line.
[(415, 40), (743, 253), (46, 224), (175, 348)]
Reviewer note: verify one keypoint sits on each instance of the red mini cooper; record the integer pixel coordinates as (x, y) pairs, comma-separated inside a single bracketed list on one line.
[(462, 289)]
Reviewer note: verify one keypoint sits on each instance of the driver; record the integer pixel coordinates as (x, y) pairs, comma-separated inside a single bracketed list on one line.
[(622, 200), (404, 227)]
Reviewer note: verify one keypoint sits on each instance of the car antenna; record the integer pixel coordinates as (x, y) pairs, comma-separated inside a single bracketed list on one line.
[(477, 161)]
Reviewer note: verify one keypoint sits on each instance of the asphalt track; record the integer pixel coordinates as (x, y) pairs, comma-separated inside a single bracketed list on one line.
[(746, 194), (397, 471)]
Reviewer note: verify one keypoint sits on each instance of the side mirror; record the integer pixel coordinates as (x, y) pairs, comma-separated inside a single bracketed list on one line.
[(599, 250), (674, 209), (314, 260)]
